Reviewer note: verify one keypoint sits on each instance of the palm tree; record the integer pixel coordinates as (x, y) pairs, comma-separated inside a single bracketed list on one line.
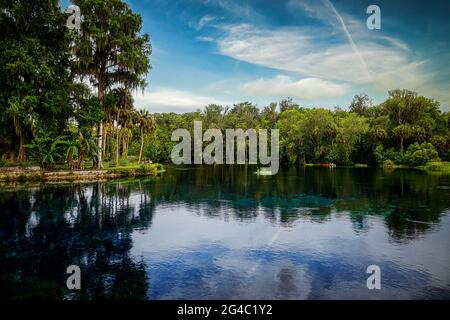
[(124, 104), (128, 121), (147, 124), (402, 132), (21, 119), (72, 152)]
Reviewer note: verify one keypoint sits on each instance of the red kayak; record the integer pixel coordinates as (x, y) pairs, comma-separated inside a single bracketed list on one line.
[(328, 165)]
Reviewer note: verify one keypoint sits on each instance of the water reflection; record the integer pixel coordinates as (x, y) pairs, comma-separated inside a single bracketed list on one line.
[(223, 232)]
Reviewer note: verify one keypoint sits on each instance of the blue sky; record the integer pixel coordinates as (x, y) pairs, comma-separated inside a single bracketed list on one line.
[(319, 52)]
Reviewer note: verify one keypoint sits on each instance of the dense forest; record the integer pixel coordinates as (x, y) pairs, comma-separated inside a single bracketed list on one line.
[(66, 97), (405, 129), (65, 93)]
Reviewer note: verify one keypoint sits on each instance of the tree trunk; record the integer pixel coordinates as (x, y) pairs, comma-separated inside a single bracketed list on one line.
[(22, 156), (142, 146), (124, 141), (101, 96), (70, 161), (105, 140), (126, 147), (117, 139), (100, 146)]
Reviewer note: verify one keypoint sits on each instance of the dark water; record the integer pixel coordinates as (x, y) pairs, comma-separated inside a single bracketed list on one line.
[(213, 233)]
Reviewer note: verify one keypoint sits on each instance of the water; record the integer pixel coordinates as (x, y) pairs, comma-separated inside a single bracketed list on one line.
[(225, 233)]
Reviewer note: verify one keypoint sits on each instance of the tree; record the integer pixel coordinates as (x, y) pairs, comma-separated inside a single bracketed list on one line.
[(34, 64), (351, 128), (123, 105), (146, 125), (320, 130), (269, 116), (110, 50), (402, 132), (360, 104), (244, 115), (291, 124), (213, 116), (288, 104)]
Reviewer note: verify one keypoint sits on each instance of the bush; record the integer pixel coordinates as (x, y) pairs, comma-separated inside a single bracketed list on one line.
[(147, 169), (3, 162), (420, 154), (391, 154), (388, 164), (438, 167)]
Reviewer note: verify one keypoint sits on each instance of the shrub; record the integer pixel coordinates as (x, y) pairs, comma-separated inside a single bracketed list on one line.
[(388, 164), (391, 154), (146, 169), (420, 154), (3, 162)]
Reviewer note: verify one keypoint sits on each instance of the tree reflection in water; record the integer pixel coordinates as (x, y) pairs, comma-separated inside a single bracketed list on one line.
[(44, 230)]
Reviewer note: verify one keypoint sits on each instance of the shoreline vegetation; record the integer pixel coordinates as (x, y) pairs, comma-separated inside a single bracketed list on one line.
[(37, 174), (51, 116), (27, 174)]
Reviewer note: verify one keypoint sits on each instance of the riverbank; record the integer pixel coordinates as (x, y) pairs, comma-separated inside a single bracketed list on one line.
[(36, 174), (437, 167), (431, 167)]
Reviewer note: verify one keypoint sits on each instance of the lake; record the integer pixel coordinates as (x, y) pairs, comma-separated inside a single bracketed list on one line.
[(226, 233)]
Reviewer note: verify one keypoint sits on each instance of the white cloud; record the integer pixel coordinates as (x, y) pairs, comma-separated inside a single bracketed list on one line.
[(167, 99), (339, 48), (284, 86), (205, 39), (236, 9), (312, 54), (204, 21)]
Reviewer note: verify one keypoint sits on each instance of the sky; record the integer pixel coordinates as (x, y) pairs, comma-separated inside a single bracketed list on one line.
[(318, 52)]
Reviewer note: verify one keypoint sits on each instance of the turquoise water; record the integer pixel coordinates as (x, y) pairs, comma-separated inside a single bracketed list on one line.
[(225, 233)]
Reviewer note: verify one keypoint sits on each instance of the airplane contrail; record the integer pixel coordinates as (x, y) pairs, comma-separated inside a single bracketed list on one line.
[(349, 37)]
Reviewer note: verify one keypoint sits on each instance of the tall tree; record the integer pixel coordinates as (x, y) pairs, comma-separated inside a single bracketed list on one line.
[(111, 50), (124, 103), (146, 125), (34, 63)]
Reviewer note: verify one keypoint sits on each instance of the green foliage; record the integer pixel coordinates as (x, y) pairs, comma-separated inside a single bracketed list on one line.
[(388, 164), (360, 104), (111, 52), (46, 149), (350, 129), (437, 166), (3, 162), (34, 64), (146, 169), (420, 154), (390, 154), (371, 136), (45, 106)]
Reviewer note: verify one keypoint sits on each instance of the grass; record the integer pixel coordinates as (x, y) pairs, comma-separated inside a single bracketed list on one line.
[(137, 167), (437, 166), (125, 169)]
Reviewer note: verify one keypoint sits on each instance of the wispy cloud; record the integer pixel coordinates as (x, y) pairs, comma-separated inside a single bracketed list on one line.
[(323, 50), (204, 21), (349, 37), (338, 52), (284, 86), (236, 8), (205, 39), (309, 53)]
